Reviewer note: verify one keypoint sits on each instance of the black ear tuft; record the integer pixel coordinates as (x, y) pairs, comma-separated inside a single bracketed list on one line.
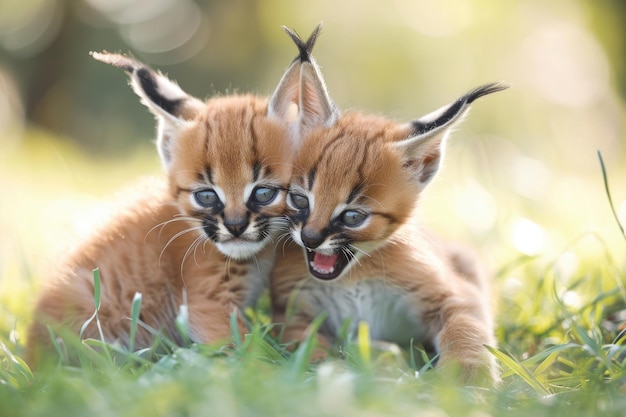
[(304, 48), (149, 85), (423, 149), (483, 90), (455, 109), (172, 107), (422, 127), (156, 91)]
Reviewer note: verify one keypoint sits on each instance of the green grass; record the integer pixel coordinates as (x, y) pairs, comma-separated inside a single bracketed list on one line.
[(560, 327)]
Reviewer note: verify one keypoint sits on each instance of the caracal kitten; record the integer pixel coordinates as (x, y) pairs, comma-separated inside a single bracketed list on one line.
[(360, 254), (202, 236)]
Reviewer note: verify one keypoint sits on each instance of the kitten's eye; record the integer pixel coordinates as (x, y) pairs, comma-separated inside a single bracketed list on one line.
[(300, 201), (264, 195), (353, 218), (206, 198)]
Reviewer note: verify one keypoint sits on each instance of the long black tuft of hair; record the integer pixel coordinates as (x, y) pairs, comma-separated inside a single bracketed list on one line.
[(483, 90), (304, 48), (456, 108), (144, 75)]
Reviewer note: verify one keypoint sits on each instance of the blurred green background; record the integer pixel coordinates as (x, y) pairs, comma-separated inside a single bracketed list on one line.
[(521, 176)]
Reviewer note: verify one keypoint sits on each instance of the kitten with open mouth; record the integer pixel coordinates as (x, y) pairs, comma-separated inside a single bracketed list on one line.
[(358, 252), (326, 267)]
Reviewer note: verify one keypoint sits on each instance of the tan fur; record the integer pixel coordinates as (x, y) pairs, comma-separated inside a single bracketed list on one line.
[(156, 245), (406, 284)]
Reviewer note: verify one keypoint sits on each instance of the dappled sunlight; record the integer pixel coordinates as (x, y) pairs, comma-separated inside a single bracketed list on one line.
[(528, 237), (530, 178), (476, 207), (566, 266), (572, 299)]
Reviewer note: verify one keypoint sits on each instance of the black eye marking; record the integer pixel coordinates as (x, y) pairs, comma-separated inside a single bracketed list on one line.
[(299, 201), (207, 198), (311, 178), (209, 175), (355, 193), (353, 218), (256, 171), (264, 195)]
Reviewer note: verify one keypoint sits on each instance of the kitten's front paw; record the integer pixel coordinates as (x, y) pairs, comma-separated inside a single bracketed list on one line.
[(482, 373), (319, 354)]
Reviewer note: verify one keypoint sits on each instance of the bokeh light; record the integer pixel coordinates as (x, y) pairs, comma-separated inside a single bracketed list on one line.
[(528, 237), (29, 27)]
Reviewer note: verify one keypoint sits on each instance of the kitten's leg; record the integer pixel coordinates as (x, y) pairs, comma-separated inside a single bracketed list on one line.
[(297, 329), (465, 330), (210, 322)]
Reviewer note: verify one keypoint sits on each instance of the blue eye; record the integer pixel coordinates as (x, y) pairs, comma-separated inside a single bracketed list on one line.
[(206, 198), (353, 218), (299, 201), (264, 195)]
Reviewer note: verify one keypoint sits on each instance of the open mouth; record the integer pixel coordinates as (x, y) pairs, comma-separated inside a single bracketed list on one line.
[(326, 267)]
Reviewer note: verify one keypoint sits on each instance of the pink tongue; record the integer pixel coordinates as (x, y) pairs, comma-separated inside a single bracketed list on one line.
[(324, 262)]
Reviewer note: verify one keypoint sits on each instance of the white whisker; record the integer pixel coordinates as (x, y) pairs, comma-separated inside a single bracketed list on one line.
[(176, 236), (350, 255), (256, 262), (360, 250), (176, 218), (182, 263), (197, 245)]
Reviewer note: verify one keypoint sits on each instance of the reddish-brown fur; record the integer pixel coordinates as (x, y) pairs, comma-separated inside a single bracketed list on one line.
[(439, 288), (155, 245)]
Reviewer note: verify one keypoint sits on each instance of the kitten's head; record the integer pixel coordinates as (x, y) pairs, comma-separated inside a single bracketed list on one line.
[(228, 159), (357, 178)]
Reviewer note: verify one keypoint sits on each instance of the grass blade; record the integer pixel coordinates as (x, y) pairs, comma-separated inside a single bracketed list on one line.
[(519, 369), (16, 371), (302, 355), (135, 310), (608, 194), (234, 330), (96, 296), (182, 324), (57, 346)]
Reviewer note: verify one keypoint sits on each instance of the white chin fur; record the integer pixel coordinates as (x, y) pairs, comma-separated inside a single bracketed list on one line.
[(241, 250)]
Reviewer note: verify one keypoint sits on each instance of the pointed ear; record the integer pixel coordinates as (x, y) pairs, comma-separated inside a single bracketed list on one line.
[(172, 107), (301, 97), (283, 103), (423, 142), (316, 108)]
